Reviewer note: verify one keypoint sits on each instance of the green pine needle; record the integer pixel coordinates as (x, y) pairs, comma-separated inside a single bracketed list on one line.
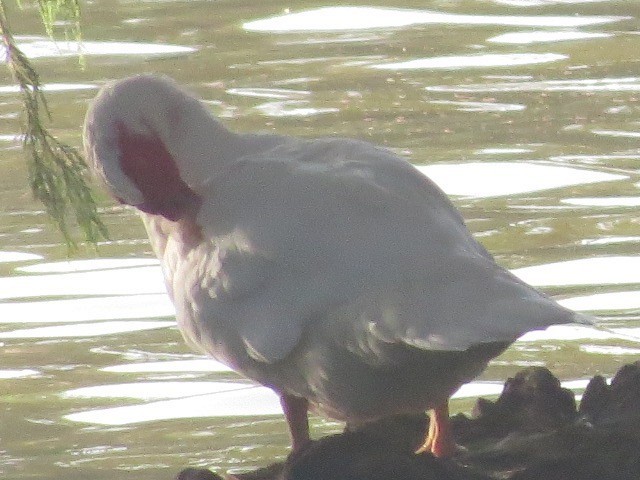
[(57, 171)]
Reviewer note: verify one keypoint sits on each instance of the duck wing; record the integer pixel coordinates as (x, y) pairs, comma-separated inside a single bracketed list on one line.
[(347, 239)]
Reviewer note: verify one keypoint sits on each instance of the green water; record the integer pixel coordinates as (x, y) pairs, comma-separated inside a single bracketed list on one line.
[(525, 111)]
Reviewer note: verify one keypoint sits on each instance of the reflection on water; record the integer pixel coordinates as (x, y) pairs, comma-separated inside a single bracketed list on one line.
[(359, 18), (85, 309), (580, 332), (617, 133), (474, 61), (607, 302), (93, 329), (544, 36), (610, 350), (49, 88), (87, 265), (628, 84), (465, 106), (210, 400), (499, 179), (156, 390), (175, 366), (291, 108), (276, 93), (526, 116), (603, 201), (586, 271), (218, 399), (25, 372), (18, 256), (42, 47), (115, 281)]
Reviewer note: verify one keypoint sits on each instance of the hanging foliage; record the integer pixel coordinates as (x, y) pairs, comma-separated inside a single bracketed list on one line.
[(57, 171)]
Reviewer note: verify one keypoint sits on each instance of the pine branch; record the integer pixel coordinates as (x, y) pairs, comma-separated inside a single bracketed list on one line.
[(56, 169)]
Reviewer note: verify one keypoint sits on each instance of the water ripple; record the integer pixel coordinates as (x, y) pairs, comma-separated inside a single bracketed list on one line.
[(361, 18), (610, 270), (623, 84), (7, 257), (87, 309), (43, 48), (116, 281), (92, 329), (503, 178), (473, 61), (545, 36)]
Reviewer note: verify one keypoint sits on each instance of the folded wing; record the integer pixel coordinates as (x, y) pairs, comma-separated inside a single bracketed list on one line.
[(347, 239)]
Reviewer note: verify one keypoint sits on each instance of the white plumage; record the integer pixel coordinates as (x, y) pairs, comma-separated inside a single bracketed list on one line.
[(330, 270)]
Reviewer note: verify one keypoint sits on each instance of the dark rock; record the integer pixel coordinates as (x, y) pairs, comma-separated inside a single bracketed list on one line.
[(595, 399), (402, 433), (271, 472), (532, 401), (624, 401), (197, 474), (533, 431), (615, 407), (363, 455)]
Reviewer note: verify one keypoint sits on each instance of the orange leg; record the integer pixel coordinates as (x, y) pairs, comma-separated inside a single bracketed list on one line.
[(439, 440), (295, 411)]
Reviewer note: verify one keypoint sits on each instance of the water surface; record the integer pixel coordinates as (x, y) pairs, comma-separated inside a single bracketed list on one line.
[(525, 111)]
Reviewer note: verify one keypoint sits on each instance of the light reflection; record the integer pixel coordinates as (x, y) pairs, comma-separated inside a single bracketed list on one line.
[(519, 363), (603, 201), (171, 366), (238, 400), (7, 257), (334, 38), (276, 93), (543, 3), (41, 48), (361, 18), (610, 270), (609, 350), (590, 158), (88, 265), (478, 389), (625, 84), (22, 373), (213, 399), (617, 133), (154, 390), (544, 36), (482, 389), (609, 302), (609, 240), (502, 151), (87, 309), (557, 333), (49, 88), (473, 61), (116, 281), (577, 384), (86, 329), (501, 178), (291, 108), (481, 106), (11, 138)]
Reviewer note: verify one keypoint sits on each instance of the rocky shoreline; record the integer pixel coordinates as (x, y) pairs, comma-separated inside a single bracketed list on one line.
[(535, 430)]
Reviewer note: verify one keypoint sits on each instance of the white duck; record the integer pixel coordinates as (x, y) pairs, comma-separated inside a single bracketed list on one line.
[(329, 270)]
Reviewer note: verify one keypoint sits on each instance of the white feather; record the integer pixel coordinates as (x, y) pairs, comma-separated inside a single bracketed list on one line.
[(329, 269)]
